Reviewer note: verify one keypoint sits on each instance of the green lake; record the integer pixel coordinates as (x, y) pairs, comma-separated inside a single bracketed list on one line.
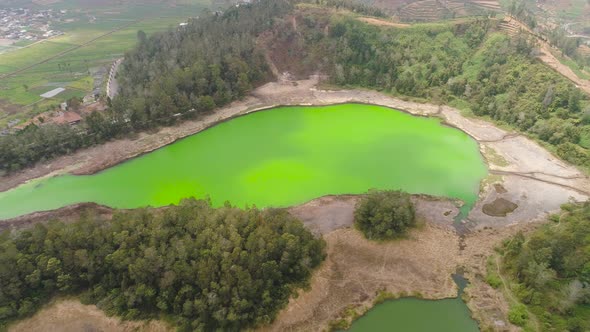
[(278, 157), (417, 315)]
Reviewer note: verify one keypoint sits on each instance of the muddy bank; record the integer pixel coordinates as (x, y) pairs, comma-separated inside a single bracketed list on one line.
[(329, 213), (356, 269), (65, 214), (488, 305), (535, 180), (69, 315)]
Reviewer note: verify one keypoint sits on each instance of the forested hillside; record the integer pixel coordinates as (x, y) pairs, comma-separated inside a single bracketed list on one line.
[(467, 65), (551, 271), (206, 64), (170, 76), (199, 267), (219, 57)]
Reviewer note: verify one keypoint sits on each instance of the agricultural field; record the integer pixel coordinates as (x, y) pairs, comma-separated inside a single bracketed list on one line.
[(433, 10), (97, 32)]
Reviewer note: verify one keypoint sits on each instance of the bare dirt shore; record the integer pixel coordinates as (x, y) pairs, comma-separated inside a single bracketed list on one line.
[(69, 315), (534, 179), (522, 173)]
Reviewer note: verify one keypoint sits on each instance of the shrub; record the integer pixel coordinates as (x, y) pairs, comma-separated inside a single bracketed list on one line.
[(493, 281), (518, 315), (384, 214)]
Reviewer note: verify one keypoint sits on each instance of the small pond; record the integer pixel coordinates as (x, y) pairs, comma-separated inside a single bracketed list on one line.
[(417, 315)]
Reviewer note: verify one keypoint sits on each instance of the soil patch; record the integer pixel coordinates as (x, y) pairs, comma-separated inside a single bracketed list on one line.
[(72, 316), (500, 207), (329, 213), (66, 214), (356, 269)]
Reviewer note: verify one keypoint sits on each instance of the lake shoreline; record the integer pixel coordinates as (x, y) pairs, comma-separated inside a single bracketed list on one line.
[(512, 157), (521, 171)]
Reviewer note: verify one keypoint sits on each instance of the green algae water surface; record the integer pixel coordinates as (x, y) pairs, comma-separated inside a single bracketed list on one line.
[(278, 157), (416, 315)]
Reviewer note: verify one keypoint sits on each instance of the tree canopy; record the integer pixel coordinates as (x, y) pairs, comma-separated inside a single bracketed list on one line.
[(383, 215), (201, 267), (551, 269)]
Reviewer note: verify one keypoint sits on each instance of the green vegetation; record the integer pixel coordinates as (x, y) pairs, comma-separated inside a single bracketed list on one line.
[(206, 64), (550, 272), (464, 64), (199, 267), (579, 70), (205, 73), (383, 215), (179, 74), (518, 314), (83, 63), (492, 277)]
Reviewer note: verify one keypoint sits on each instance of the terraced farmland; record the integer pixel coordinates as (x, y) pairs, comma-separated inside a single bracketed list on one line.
[(432, 10)]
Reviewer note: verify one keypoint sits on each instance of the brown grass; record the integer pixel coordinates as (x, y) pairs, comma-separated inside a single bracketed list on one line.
[(68, 315), (378, 22), (357, 269)]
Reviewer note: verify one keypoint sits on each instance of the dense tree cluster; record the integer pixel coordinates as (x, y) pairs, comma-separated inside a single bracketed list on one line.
[(208, 63), (202, 268), (383, 215), (551, 268)]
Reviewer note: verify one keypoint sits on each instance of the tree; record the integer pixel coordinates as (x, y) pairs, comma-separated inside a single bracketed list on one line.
[(574, 101), (384, 214), (586, 116), (550, 270), (207, 269)]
